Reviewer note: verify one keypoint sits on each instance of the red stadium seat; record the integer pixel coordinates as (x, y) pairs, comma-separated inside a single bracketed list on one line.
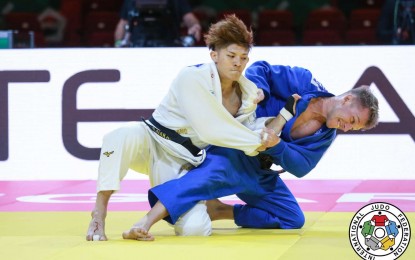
[(275, 19), (324, 26), (244, 15), (361, 37), (22, 21), (362, 26), (366, 18), (100, 39), (377, 4), (322, 37), (101, 21), (326, 19), (72, 11), (102, 5), (275, 37)]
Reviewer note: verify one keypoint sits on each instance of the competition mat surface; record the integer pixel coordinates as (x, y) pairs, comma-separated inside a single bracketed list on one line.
[(49, 219)]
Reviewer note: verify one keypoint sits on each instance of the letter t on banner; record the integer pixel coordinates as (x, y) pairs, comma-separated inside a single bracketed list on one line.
[(6, 77)]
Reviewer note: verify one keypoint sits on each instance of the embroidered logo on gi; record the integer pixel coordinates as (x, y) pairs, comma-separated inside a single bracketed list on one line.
[(318, 84), (181, 131), (108, 154), (160, 133), (379, 231)]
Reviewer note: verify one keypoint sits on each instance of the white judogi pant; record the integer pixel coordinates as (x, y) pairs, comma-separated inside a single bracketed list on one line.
[(132, 147)]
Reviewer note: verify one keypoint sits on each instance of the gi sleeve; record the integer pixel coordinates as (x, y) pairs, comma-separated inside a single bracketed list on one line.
[(280, 81), (299, 159), (209, 118)]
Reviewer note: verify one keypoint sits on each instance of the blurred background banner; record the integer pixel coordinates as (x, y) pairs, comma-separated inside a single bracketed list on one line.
[(56, 104)]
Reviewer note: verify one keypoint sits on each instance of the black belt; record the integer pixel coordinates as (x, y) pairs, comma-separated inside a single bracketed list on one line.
[(169, 134), (265, 161)]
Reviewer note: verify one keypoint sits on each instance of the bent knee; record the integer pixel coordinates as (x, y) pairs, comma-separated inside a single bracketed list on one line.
[(195, 222), (296, 221), (193, 229)]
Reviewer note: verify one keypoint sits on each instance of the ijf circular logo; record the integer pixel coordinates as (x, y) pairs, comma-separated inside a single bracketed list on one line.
[(379, 231)]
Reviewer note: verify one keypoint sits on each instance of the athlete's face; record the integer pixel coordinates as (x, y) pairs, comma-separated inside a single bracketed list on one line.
[(347, 114), (230, 61)]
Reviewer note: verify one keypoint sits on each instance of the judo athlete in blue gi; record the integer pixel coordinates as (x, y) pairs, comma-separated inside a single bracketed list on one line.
[(303, 141)]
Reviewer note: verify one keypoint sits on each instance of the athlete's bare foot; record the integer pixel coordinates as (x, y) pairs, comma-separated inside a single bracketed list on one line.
[(137, 233), (96, 228)]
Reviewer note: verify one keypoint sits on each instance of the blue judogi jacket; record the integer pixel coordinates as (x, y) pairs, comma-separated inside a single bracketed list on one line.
[(228, 171), (279, 83)]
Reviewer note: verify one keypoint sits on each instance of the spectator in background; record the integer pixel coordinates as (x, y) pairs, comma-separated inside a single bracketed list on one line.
[(396, 22), (156, 23)]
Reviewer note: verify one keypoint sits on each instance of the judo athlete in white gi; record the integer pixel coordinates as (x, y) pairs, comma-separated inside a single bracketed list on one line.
[(206, 104), (303, 141)]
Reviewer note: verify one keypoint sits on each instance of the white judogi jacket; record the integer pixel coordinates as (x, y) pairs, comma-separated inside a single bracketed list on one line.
[(193, 108)]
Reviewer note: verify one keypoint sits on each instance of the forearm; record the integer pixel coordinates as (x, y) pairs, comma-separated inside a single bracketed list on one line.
[(276, 124), (120, 30)]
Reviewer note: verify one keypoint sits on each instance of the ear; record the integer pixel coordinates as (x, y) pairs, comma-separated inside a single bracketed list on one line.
[(348, 98), (214, 56)]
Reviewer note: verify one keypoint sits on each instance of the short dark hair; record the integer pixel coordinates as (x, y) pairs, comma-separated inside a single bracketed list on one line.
[(230, 30)]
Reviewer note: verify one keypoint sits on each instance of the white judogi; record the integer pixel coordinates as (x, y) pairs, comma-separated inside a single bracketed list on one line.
[(192, 107)]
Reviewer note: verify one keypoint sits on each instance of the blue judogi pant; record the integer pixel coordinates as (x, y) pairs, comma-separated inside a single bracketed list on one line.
[(269, 202)]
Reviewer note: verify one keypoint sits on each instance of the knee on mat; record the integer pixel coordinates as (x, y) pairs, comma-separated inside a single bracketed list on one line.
[(295, 221), (195, 222), (193, 229)]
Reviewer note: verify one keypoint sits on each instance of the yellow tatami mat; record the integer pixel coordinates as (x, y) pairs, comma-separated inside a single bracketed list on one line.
[(61, 235)]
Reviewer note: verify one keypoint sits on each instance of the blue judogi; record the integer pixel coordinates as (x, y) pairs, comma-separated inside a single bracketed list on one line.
[(269, 203)]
